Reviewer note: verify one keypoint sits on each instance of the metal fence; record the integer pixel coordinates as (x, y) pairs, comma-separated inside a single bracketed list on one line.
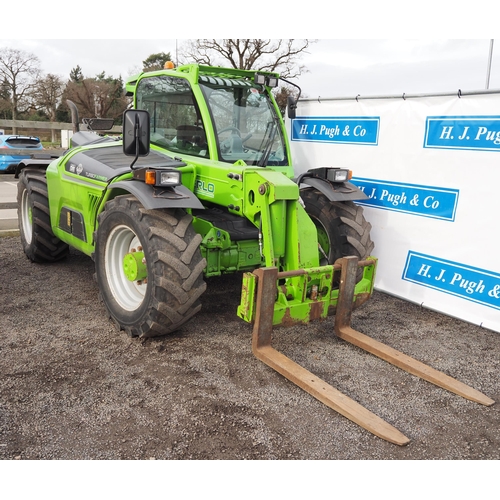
[(31, 124)]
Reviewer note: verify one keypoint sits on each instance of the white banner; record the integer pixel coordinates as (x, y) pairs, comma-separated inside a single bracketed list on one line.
[(431, 167)]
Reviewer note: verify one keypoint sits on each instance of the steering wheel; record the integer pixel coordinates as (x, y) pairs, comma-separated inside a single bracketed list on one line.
[(233, 129), (227, 144), (238, 133)]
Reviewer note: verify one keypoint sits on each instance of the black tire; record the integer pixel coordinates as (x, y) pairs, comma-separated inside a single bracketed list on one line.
[(342, 227), (169, 296), (38, 240)]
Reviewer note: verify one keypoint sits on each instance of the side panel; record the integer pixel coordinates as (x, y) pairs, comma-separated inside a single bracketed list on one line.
[(73, 202)]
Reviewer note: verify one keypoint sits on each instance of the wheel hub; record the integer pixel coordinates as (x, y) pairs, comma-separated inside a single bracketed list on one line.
[(134, 266)]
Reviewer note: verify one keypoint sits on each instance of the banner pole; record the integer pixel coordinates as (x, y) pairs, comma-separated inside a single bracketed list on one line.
[(488, 71)]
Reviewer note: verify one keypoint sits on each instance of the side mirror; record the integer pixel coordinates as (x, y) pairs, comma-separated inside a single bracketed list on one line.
[(291, 105), (136, 133)]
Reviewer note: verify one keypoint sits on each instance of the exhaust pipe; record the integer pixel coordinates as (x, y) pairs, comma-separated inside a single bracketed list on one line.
[(74, 116)]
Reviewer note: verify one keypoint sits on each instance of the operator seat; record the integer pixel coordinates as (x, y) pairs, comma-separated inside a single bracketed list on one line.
[(191, 135)]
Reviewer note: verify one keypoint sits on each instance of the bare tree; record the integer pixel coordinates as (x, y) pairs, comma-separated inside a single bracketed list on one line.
[(280, 55), (47, 96), (99, 97), (19, 72), (5, 108)]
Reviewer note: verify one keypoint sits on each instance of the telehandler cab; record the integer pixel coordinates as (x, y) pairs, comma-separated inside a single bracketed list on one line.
[(211, 190)]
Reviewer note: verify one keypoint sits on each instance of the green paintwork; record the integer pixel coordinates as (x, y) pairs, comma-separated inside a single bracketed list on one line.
[(310, 295), (267, 197), (134, 267), (76, 193)]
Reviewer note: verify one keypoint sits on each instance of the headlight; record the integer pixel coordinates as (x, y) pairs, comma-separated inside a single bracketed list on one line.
[(331, 174), (168, 178), (338, 175)]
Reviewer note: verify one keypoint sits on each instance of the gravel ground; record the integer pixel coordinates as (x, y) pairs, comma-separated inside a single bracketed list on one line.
[(74, 388)]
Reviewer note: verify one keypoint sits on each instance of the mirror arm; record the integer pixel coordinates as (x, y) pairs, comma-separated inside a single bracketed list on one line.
[(136, 137)]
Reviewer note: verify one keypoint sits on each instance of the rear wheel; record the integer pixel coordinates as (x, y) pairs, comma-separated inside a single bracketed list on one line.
[(38, 241), (342, 227), (149, 267)]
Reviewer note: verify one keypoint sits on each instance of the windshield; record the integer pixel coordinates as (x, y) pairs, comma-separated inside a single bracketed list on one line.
[(245, 123)]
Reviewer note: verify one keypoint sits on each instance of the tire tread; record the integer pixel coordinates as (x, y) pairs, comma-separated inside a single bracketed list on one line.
[(173, 248)]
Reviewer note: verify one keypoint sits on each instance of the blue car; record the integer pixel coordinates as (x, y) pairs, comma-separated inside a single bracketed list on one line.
[(8, 163)]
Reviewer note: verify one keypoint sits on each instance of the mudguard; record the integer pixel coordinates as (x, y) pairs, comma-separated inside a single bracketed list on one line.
[(153, 197), (40, 161), (334, 192)]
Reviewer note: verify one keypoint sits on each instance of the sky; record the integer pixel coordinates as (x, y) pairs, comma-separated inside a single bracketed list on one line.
[(363, 47), (336, 68)]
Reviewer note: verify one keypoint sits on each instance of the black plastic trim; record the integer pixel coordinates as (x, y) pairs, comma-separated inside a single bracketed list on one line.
[(335, 192), (153, 197)]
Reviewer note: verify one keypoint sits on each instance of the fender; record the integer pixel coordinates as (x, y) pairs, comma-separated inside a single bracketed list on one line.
[(153, 198), (37, 161), (344, 191)]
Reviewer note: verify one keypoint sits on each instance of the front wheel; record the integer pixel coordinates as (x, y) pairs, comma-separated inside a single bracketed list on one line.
[(342, 228), (149, 267)]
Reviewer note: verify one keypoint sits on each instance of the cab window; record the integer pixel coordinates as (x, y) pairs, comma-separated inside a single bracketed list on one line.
[(176, 122)]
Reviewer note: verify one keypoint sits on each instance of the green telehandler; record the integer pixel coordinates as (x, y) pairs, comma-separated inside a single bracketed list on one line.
[(201, 184)]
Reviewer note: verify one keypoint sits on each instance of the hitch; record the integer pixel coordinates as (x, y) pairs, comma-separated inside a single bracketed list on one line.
[(266, 282)]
